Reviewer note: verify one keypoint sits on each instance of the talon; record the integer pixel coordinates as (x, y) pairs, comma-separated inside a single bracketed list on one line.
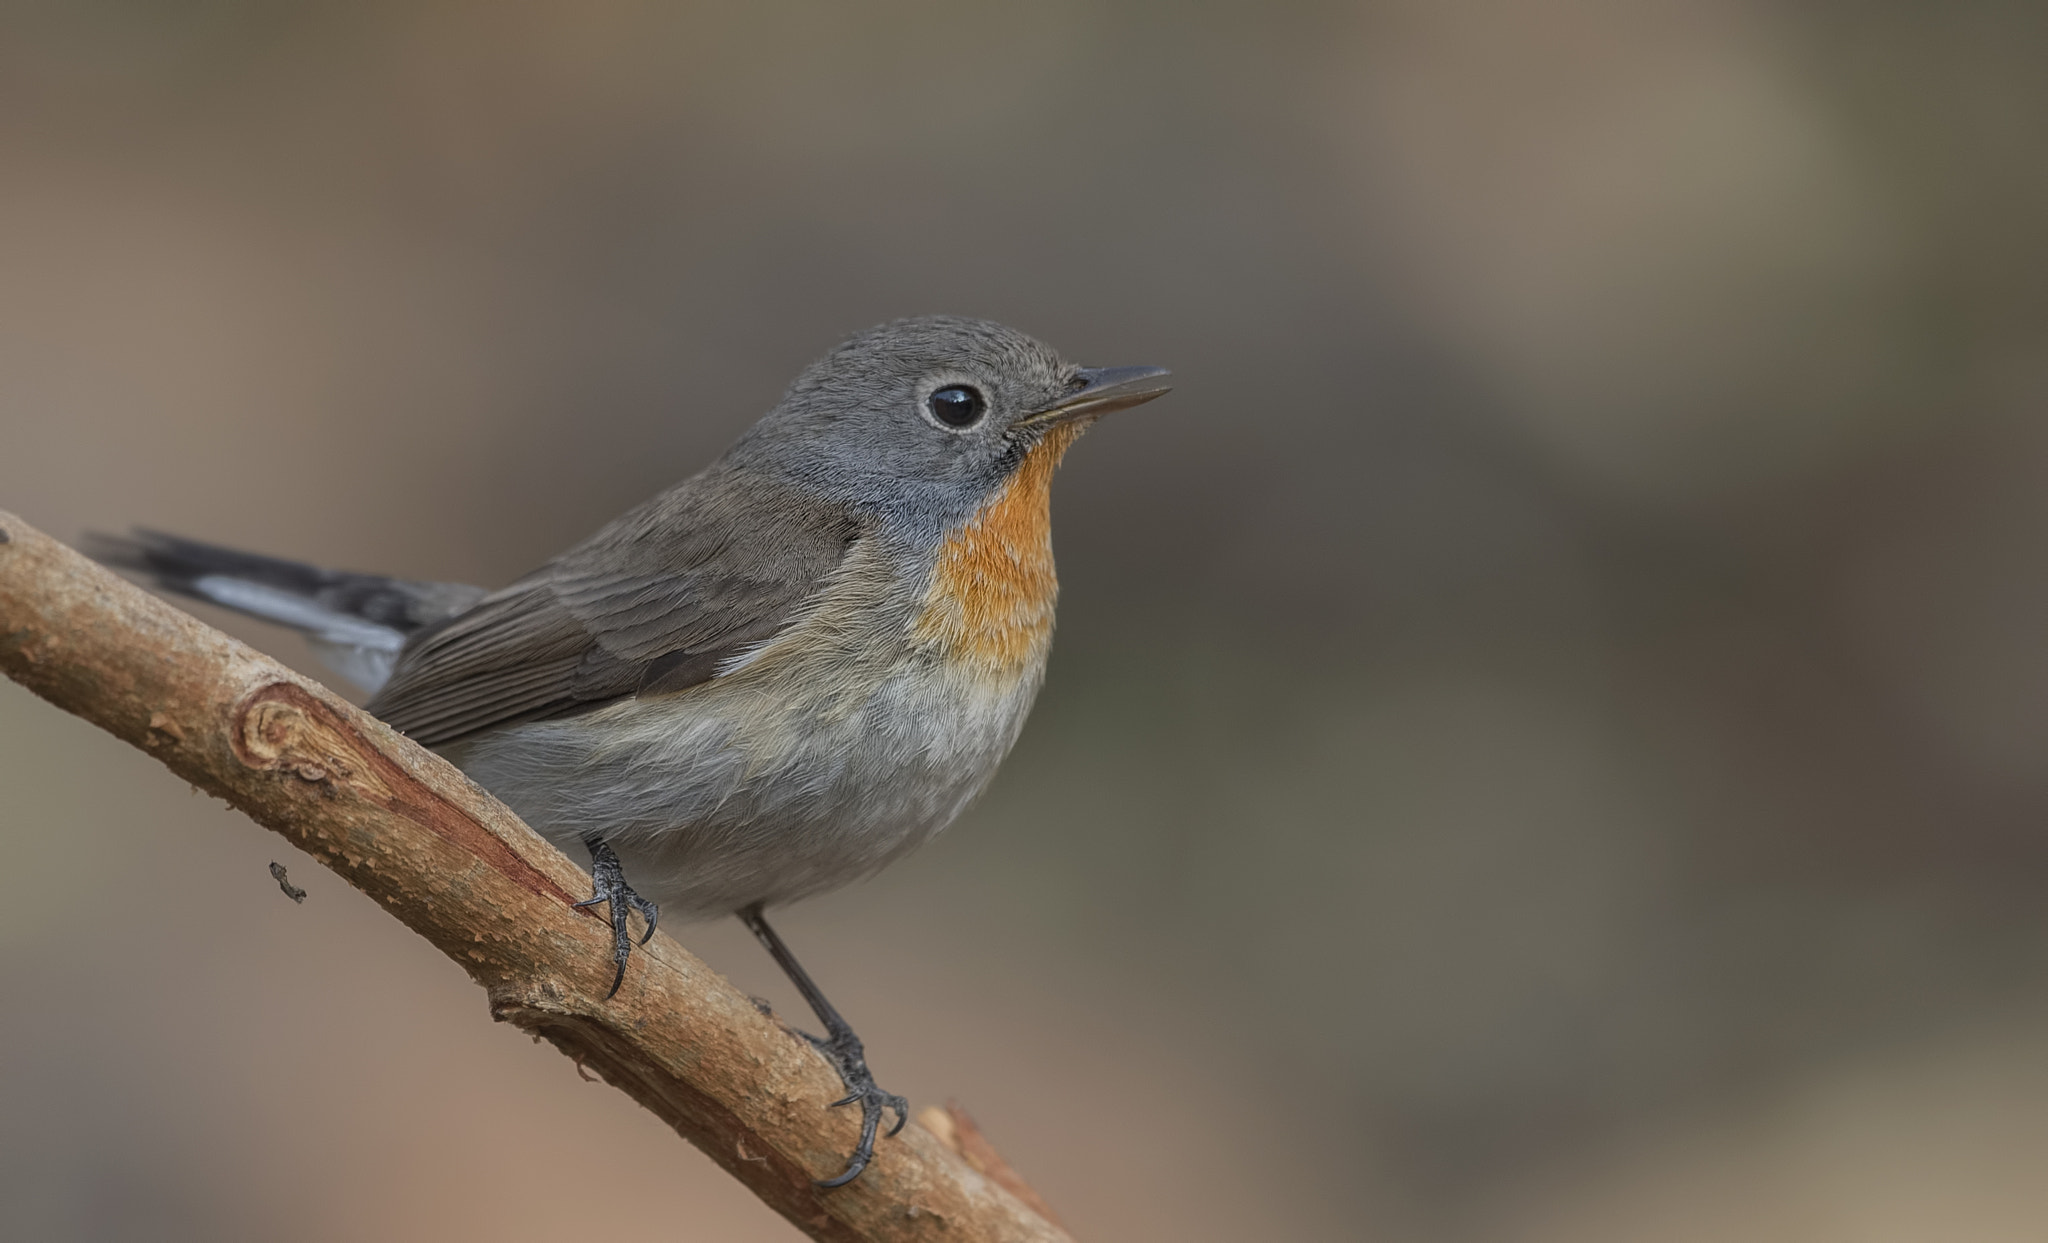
[(853, 1171), (648, 911)]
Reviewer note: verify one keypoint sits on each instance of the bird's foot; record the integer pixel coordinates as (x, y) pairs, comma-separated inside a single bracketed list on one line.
[(621, 901), (843, 1050)]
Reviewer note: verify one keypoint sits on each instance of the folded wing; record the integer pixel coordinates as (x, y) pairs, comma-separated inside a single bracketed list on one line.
[(655, 603)]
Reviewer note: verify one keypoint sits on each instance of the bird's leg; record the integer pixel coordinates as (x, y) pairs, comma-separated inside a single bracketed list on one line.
[(619, 898), (841, 1048)]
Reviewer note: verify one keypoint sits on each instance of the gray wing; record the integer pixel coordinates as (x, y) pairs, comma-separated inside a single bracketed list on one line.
[(653, 603)]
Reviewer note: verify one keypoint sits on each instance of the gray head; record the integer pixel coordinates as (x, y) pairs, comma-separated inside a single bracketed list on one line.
[(921, 420)]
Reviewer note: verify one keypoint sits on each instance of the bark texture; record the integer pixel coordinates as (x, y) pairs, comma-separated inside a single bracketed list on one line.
[(456, 866)]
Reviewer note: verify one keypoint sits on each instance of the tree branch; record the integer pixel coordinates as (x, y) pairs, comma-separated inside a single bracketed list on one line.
[(461, 870)]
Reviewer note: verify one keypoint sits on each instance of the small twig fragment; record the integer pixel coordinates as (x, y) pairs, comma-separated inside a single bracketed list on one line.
[(291, 891)]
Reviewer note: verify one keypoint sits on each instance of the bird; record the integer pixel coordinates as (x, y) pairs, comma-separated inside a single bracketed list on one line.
[(774, 678)]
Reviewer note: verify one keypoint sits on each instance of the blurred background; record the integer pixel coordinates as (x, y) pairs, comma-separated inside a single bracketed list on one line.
[(1548, 737)]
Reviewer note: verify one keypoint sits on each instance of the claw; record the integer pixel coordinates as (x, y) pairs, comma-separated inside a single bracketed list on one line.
[(855, 1166), (854, 1169), (648, 911)]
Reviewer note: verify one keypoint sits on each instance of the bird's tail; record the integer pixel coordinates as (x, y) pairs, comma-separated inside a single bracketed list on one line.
[(357, 622)]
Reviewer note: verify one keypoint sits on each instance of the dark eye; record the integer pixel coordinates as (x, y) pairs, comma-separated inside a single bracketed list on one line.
[(957, 405)]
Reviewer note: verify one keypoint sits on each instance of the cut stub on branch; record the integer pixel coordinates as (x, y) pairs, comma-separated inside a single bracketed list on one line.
[(956, 1130), (452, 863)]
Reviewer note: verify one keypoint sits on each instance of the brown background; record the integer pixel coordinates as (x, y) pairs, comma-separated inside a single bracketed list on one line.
[(1549, 736)]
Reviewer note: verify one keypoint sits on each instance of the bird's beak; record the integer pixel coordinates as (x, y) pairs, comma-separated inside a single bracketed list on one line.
[(1102, 390)]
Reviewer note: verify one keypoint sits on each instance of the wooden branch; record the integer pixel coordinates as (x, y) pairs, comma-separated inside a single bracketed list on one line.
[(457, 867)]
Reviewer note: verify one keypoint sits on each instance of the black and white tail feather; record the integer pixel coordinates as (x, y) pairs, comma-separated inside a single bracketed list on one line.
[(356, 622)]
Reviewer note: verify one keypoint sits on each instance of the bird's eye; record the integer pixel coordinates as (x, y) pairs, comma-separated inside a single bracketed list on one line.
[(957, 405)]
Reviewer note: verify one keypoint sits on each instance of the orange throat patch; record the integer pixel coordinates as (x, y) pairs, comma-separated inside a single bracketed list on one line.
[(993, 590)]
